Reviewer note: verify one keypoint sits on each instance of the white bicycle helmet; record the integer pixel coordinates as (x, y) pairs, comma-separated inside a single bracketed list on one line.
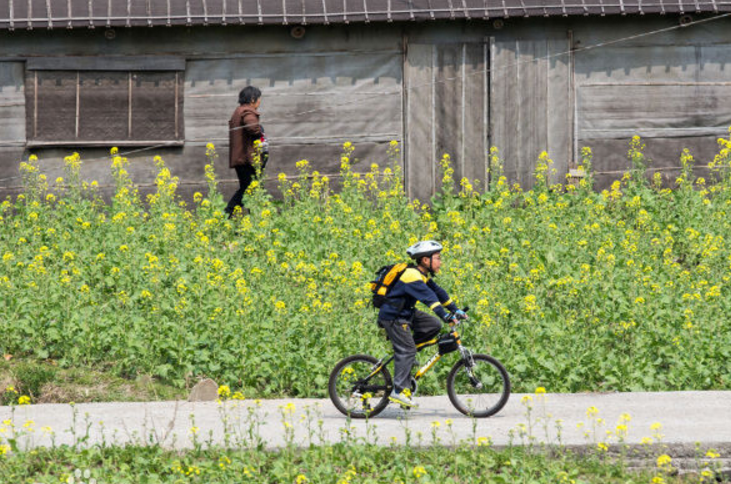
[(424, 248)]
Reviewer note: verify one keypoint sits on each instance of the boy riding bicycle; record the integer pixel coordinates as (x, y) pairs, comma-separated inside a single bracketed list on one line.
[(399, 317)]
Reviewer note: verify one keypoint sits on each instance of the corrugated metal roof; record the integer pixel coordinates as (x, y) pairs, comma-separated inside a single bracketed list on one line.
[(52, 14)]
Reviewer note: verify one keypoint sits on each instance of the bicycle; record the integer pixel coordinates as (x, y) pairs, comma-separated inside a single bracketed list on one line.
[(478, 385)]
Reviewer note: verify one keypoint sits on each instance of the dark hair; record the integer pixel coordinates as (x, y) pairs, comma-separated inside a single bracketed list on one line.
[(249, 95)]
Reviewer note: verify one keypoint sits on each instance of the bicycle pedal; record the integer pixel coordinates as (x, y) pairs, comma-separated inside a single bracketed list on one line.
[(405, 407)]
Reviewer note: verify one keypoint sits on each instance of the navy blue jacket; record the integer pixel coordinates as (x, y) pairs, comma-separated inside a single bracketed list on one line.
[(411, 287)]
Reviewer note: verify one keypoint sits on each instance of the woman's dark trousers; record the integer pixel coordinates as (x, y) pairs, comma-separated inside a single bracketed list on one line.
[(246, 174)]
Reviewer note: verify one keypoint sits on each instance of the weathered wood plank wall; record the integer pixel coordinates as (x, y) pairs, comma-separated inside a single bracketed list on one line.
[(314, 99), (12, 118), (530, 105), (455, 87), (673, 89), (446, 111)]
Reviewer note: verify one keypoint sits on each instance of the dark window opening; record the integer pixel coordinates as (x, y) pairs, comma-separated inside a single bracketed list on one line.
[(89, 107)]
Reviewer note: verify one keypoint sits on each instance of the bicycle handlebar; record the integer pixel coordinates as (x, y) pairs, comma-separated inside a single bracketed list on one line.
[(459, 321)]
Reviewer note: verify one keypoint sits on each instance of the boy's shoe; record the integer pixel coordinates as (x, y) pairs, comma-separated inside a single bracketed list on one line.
[(403, 398)]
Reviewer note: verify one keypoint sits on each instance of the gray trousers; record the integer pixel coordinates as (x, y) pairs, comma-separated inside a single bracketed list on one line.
[(424, 327)]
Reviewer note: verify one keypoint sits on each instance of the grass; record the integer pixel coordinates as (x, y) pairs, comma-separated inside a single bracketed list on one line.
[(336, 464), (46, 382)]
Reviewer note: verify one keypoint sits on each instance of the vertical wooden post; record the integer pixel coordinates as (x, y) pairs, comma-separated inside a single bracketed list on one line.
[(129, 110), (35, 104), (491, 97), (404, 108), (572, 116), (434, 156), (177, 93), (463, 102), (485, 109), (78, 102)]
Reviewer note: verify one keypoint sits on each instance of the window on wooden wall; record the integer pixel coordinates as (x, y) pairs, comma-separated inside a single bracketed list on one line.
[(93, 101)]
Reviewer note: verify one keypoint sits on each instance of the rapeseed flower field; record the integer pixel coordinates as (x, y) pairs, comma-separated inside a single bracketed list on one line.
[(572, 289)]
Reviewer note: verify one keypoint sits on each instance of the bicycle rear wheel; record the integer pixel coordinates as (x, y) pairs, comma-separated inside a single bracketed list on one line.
[(479, 390), (357, 393)]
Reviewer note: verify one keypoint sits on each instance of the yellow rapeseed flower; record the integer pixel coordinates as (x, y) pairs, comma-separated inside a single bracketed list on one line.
[(664, 460), (712, 454), (224, 391), (484, 441)]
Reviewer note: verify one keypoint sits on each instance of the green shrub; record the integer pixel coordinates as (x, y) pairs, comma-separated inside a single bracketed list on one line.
[(627, 289)]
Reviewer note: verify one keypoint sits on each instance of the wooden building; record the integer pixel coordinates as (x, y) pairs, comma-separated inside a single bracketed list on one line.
[(454, 76)]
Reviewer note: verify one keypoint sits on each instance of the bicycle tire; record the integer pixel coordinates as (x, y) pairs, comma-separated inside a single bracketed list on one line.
[(468, 399), (348, 376)]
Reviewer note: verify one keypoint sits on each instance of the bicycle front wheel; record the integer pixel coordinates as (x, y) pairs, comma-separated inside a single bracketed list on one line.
[(356, 390), (478, 387)]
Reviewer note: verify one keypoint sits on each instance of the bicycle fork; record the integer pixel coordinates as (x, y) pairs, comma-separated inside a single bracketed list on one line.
[(469, 364)]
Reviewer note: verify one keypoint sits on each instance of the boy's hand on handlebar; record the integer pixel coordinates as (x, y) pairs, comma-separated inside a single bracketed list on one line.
[(459, 314), (452, 319)]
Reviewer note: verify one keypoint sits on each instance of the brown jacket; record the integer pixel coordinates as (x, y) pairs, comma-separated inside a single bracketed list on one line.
[(244, 128)]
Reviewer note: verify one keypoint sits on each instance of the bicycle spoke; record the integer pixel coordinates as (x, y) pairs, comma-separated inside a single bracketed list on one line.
[(481, 390), (356, 391)]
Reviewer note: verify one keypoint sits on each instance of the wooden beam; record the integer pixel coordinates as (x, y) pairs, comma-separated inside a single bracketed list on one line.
[(129, 110), (35, 104), (78, 103), (324, 12), (49, 13), (91, 14), (177, 105), (103, 63)]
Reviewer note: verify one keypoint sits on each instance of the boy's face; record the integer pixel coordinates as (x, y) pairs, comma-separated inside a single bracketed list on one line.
[(433, 263)]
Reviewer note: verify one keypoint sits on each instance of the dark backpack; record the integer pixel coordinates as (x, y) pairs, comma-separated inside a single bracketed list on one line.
[(386, 278)]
